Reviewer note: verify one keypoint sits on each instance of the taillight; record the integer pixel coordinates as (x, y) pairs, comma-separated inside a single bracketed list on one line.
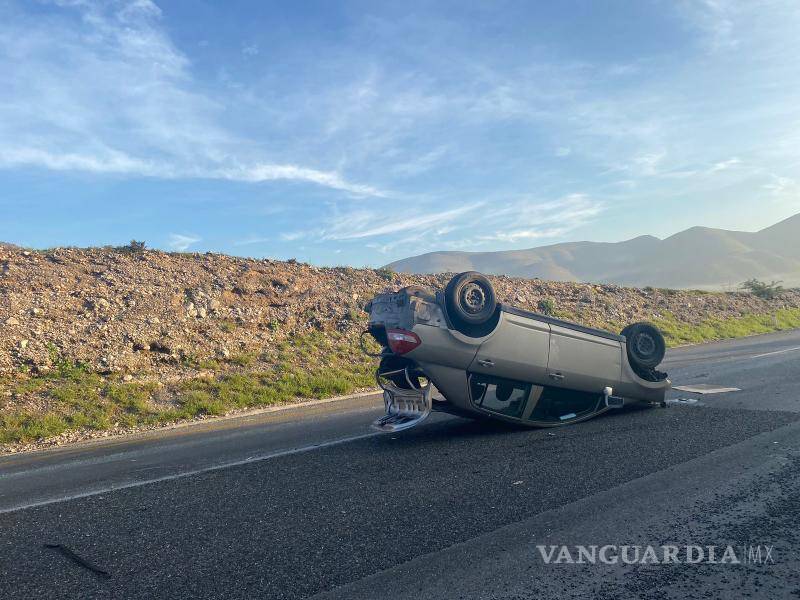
[(402, 341)]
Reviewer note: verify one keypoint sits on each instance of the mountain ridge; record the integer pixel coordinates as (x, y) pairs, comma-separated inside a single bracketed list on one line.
[(698, 257)]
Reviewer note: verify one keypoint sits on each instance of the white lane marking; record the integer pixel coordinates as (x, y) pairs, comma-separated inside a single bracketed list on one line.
[(776, 352), (235, 463), (705, 388)]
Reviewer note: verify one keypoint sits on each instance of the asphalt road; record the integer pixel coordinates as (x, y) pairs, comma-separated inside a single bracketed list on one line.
[(282, 505)]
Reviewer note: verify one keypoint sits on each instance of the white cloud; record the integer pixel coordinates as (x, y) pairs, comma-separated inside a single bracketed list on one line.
[(424, 162), (272, 172), (103, 161), (381, 248), (717, 20), (101, 88), (366, 223), (784, 191), (527, 219), (725, 164), (181, 242), (250, 49), (472, 226), (519, 235), (648, 164), (252, 240)]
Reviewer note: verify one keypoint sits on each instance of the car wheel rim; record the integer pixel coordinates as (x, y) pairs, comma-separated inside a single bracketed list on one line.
[(645, 345), (473, 298)]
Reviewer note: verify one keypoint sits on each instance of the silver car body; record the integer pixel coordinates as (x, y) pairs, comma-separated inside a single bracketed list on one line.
[(559, 372)]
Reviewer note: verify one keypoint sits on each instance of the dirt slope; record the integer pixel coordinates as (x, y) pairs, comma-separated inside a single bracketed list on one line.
[(158, 315)]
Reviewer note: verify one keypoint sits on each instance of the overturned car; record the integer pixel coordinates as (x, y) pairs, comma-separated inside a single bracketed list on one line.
[(488, 359)]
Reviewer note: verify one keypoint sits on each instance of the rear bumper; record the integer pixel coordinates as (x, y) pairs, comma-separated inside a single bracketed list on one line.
[(407, 404)]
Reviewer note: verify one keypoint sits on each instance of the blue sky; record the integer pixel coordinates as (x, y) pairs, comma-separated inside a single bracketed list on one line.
[(362, 132)]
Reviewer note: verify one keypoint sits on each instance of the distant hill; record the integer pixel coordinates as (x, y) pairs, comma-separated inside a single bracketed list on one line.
[(699, 257)]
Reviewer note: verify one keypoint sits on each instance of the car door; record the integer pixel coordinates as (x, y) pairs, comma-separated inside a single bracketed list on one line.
[(583, 361), (517, 350)]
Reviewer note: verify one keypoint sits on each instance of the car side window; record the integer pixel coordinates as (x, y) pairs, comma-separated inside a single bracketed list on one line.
[(558, 405), (503, 396)]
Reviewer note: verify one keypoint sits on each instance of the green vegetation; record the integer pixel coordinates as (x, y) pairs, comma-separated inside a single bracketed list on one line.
[(385, 273), (227, 325), (205, 364), (76, 398), (356, 315), (243, 360), (546, 306), (679, 333), (316, 365), (762, 289), (134, 247)]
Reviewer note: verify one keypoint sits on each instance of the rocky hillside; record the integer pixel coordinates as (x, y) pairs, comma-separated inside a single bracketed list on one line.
[(99, 341), (154, 314)]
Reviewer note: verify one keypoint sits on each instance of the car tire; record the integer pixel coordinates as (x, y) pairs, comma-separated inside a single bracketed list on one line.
[(470, 299), (645, 344)]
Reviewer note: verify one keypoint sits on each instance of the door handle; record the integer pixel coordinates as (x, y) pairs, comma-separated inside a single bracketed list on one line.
[(556, 376), (485, 362)]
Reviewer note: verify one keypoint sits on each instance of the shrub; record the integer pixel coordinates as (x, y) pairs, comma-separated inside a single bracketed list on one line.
[(134, 247), (385, 273), (762, 289), (546, 306)]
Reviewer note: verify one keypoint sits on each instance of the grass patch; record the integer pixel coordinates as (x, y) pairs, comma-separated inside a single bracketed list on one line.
[(205, 364), (243, 360), (316, 365), (20, 426), (194, 403), (677, 333)]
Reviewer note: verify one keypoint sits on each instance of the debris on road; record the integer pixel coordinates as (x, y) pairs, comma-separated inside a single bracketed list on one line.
[(683, 401), (79, 559)]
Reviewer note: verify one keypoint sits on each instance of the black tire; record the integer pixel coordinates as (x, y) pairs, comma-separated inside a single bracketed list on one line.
[(470, 299), (646, 345)]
